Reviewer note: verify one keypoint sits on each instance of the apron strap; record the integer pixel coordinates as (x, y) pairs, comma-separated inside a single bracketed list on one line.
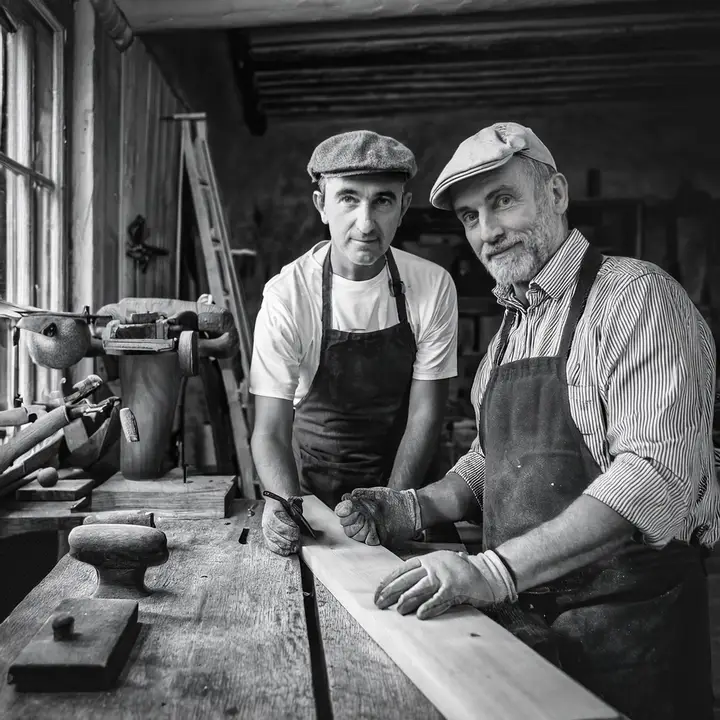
[(326, 299), (397, 286), (508, 322), (591, 262)]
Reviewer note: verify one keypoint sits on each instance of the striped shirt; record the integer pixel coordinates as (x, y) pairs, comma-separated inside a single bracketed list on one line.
[(641, 381)]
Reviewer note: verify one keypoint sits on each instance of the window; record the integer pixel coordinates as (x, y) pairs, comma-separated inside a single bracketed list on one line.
[(32, 237)]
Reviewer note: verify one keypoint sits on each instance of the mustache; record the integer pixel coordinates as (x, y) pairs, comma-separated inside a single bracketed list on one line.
[(517, 238)]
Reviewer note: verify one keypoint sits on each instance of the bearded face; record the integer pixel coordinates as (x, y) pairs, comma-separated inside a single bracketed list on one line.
[(510, 221)]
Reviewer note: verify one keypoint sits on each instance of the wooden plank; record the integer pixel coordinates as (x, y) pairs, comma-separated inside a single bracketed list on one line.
[(381, 690), (66, 489), (17, 517), (202, 496), (223, 634), (463, 662), (144, 15)]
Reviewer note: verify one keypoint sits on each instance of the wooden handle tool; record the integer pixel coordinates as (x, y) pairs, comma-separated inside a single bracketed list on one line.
[(120, 554)]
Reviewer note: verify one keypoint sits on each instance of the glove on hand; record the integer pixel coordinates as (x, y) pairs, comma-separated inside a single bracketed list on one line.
[(380, 516), (435, 582), (281, 534)]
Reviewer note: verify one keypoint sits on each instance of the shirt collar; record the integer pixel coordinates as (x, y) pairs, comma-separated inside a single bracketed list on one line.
[(556, 276)]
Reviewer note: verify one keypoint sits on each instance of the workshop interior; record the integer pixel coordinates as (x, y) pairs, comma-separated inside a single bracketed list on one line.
[(153, 179)]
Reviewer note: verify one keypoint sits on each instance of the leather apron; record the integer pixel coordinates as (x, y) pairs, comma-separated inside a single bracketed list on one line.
[(632, 628), (348, 427)]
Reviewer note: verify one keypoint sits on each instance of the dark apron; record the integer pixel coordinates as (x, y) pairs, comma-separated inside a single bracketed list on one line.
[(348, 427), (632, 628)]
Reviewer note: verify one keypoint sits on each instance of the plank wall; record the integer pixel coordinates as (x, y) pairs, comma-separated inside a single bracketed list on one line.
[(135, 159)]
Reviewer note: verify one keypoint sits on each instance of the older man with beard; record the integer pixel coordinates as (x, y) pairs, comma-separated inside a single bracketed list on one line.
[(592, 472)]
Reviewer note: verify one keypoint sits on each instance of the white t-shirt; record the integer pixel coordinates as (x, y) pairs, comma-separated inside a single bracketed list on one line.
[(288, 328)]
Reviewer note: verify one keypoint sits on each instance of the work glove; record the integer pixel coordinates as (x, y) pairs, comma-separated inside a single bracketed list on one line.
[(435, 582), (380, 516), (281, 533)]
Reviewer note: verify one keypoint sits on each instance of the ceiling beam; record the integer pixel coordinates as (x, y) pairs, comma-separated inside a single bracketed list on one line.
[(432, 80), (156, 15), (487, 90), (498, 102), (350, 73)]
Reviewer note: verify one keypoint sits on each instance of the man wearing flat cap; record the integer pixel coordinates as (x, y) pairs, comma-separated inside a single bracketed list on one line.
[(354, 343), (592, 473)]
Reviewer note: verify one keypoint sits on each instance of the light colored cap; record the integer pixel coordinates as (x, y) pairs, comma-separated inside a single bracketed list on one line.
[(486, 150), (361, 152)]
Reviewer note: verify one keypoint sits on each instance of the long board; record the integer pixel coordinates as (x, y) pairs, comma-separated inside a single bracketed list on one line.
[(468, 666)]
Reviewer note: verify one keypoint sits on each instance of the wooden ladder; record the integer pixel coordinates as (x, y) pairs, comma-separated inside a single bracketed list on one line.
[(223, 283)]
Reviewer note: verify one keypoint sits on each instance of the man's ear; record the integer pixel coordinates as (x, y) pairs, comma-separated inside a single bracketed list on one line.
[(405, 204), (560, 193), (319, 203)]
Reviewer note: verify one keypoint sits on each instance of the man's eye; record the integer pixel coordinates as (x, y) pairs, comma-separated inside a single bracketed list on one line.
[(347, 199), (384, 202), (504, 201), (469, 217)]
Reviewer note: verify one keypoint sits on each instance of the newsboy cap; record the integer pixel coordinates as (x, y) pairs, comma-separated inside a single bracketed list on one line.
[(360, 152), (486, 150)]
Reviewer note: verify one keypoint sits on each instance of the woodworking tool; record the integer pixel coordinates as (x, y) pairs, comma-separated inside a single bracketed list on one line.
[(121, 517), (129, 425), (22, 415), (120, 554), (82, 646), (294, 509)]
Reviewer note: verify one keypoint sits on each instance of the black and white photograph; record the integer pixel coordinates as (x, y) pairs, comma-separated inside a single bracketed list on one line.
[(358, 360)]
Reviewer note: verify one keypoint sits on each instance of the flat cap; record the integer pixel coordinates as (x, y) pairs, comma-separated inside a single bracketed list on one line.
[(486, 150), (360, 152)]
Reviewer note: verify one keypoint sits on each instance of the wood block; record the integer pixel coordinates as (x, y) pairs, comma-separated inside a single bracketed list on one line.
[(463, 662), (68, 488), (202, 496), (91, 655)]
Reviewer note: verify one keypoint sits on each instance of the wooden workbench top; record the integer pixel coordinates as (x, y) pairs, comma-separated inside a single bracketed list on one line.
[(225, 634)]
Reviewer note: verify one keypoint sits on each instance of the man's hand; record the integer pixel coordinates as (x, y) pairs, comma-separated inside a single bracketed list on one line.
[(281, 534), (435, 582), (380, 515)]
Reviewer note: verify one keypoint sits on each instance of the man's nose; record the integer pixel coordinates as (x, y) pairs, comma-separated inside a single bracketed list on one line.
[(364, 219), (487, 230)]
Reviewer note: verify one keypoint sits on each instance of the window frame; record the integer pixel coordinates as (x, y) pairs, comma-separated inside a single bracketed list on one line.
[(29, 282)]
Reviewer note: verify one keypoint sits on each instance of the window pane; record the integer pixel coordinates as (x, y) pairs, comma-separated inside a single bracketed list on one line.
[(3, 185), (43, 97)]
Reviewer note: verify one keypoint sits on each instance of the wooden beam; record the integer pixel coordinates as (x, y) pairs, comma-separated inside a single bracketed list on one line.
[(463, 662), (487, 92), (509, 102), (514, 41), (593, 20), (319, 74), (152, 15), (514, 79), (339, 75)]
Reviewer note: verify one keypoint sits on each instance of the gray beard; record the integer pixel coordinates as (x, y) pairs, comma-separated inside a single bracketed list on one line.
[(524, 262)]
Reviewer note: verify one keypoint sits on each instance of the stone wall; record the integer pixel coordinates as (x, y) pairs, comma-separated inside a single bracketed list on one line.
[(640, 151)]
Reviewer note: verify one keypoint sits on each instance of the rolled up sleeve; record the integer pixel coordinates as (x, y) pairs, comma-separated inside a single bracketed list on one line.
[(652, 364), (471, 468)]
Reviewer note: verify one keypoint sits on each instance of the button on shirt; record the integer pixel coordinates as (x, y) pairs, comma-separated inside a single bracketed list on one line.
[(641, 382)]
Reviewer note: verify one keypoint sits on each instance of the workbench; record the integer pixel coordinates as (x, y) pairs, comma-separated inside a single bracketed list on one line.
[(230, 630)]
